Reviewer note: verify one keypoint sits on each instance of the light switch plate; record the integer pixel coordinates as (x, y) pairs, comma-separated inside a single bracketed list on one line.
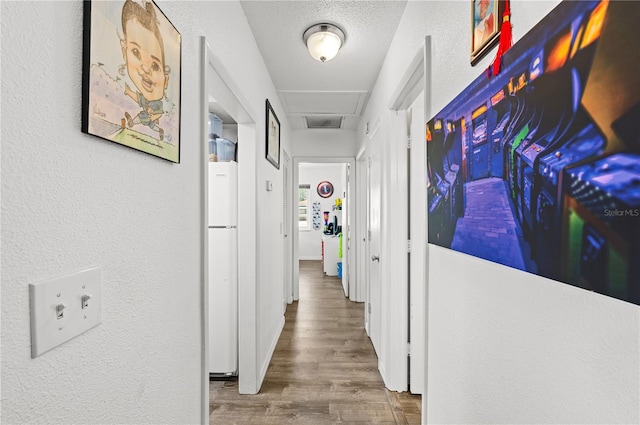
[(57, 310)]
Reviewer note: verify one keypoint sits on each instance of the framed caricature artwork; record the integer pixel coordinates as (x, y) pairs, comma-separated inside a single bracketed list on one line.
[(131, 76)]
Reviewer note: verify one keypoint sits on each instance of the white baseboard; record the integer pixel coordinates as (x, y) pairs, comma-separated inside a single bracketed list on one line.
[(383, 372), (272, 348), (310, 258)]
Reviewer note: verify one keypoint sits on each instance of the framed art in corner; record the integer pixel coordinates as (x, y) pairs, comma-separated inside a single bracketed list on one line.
[(131, 76), (273, 137), (486, 21)]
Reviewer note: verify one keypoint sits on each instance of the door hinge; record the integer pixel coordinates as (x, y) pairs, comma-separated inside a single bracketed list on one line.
[(409, 349), (369, 162), (369, 234), (408, 142), (369, 307), (409, 245)]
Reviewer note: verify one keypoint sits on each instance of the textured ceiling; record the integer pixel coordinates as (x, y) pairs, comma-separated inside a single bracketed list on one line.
[(278, 27)]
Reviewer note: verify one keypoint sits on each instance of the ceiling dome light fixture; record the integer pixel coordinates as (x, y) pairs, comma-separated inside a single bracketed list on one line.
[(323, 41)]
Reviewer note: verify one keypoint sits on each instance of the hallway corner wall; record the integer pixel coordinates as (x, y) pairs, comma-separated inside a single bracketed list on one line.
[(71, 201), (323, 143), (504, 346)]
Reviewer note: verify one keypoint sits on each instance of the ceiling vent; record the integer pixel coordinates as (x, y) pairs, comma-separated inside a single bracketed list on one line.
[(324, 122)]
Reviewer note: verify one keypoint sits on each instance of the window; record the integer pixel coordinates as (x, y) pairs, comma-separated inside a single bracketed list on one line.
[(304, 217)]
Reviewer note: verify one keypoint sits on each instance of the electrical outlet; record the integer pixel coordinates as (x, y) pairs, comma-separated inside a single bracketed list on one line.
[(63, 308)]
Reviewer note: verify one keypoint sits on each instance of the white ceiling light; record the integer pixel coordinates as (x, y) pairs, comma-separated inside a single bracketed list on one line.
[(323, 41)]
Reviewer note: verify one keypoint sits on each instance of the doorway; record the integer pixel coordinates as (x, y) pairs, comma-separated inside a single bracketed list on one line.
[(324, 219), (220, 93)]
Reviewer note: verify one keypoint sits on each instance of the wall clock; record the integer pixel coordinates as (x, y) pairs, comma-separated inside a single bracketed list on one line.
[(325, 189)]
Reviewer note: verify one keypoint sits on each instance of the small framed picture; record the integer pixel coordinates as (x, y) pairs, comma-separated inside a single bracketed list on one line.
[(273, 137), (486, 21), (131, 76)]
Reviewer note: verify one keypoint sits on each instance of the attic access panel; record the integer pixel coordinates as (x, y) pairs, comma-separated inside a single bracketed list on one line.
[(323, 122)]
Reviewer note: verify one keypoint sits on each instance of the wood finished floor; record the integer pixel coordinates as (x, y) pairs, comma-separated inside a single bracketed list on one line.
[(324, 369)]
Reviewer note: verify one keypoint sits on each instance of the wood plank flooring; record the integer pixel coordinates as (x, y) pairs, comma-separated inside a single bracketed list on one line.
[(324, 369)]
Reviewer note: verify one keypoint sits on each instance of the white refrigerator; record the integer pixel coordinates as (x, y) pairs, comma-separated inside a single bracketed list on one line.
[(223, 268)]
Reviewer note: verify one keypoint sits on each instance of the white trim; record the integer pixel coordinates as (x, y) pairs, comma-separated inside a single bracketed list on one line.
[(296, 231), (360, 255), (395, 227), (410, 85), (215, 78), (394, 270), (417, 270), (204, 152), (427, 114), (272, 348), (382, 369), (287, 229)]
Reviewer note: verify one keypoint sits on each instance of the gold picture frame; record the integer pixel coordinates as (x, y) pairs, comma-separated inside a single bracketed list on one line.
[(486, 21)]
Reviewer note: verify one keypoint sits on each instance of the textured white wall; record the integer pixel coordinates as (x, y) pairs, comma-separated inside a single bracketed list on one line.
[(324, 143), (310, 242), (72, 201), (505, 346)]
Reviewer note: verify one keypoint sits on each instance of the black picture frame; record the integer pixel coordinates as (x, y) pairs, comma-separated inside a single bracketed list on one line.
[(272, 132), (131, 91)]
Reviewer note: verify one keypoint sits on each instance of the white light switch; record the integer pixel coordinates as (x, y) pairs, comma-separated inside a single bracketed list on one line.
[(63, 308)]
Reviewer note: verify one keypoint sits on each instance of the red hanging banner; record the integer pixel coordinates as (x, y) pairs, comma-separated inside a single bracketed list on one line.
[(506, 39)]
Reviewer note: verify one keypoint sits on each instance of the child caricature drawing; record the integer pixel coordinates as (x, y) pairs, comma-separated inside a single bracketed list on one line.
[(143, 51)]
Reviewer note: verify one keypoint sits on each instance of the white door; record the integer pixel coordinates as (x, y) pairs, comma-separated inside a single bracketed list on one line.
[(374, 306), (360, 223), (346, 233), (286, 229)]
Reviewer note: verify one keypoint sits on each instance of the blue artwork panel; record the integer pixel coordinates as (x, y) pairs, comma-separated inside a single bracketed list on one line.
[(538, 168)]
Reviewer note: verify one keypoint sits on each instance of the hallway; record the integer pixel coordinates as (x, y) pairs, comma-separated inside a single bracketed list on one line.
[(323, 371), (489, 230)]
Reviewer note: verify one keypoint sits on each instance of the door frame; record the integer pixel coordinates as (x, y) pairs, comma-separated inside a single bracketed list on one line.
[(296, 230), (287, 229), (216, 79), (360, 236), (396, 326)]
